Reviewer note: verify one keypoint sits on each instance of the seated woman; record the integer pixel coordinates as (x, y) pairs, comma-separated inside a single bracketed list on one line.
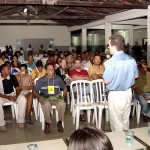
[(30, 63), (39, 70), (26, 85), (89, 138), (15, 63)]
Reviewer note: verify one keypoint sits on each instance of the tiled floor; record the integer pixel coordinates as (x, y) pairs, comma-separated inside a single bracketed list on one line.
[(33, 133)]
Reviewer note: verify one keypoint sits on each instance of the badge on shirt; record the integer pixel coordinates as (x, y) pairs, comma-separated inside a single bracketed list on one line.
[(51, 89)]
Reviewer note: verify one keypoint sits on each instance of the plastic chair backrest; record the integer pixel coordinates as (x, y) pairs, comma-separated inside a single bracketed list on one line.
[(81, 91), (98, 90)]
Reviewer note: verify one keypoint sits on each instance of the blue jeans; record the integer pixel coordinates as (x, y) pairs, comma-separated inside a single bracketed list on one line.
[(143, 102)]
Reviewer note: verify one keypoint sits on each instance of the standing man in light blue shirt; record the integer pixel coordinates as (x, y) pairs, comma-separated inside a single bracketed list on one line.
[(119, 76)]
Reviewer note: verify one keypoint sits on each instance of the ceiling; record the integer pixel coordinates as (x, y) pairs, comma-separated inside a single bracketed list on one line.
[(66, 12)]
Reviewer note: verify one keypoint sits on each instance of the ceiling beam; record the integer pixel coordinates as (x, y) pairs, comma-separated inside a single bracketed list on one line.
[(126, 15), (99, 4), (21, 2), (50, 17), (133, 22)]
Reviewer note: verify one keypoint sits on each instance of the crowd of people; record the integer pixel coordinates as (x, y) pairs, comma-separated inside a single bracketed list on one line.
[(55, 70)]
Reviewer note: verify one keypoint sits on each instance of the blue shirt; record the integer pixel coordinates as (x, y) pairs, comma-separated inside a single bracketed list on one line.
[(120, 71), (43, 82)]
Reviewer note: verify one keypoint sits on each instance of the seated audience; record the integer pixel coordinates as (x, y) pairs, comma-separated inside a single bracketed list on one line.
[(15, 63), (7, 94), (89, 138), (58, 61), (62, 70), (96, 70), (3, 58), (38, 71), (80, 74), (69, 60), (30, 63), (49, 87), (19, 55), (142, 89), (13, 71), (25, 84)]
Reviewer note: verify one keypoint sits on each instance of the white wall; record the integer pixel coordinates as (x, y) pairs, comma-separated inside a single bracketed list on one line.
[(9, 34), (139, 35)]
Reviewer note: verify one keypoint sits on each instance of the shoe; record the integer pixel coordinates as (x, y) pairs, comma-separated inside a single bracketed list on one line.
[(3, 128), (21, 125), (29, 121), (82, 118), (60, 127), (47, 128)]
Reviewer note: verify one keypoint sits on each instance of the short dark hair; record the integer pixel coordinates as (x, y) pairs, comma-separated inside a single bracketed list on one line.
[(2, 67), (23, 65), (7, 62), (89, 138), (48, 64), (39, 63), (117, 41)]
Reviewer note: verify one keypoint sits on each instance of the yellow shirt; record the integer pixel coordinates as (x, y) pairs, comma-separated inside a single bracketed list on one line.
[(2, 62), (143, 82), (98, 70), (35, 74)]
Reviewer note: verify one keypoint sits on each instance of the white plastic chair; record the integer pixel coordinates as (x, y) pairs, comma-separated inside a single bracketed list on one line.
[(138, 108), (35, 103), (99, 97), (81, 100), (14, 109), (29, 70)]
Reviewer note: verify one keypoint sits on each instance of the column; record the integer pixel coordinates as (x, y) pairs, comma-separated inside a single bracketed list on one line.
[(148, 34), (84, 39), (131, 42), (107, 32)]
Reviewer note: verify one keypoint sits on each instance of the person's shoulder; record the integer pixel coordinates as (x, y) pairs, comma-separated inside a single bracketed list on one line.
[(84, 71)]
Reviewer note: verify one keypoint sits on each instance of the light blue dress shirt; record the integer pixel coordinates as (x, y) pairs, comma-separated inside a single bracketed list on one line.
[(120, 71)]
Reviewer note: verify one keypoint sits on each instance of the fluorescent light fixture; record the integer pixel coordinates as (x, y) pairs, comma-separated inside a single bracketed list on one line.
[(90, 34)]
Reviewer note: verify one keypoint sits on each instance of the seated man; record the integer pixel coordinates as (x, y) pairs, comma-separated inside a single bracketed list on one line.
[(80, 74), (97, 70), (7, 94), (142, 89), (49, 87), (38, 71)]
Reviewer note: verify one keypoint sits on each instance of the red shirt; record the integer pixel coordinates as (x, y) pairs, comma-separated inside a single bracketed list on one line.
[(82, 73)]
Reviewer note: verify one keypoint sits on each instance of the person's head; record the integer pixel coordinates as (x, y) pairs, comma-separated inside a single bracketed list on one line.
[(3, 56), (136, 43), (23, 68), (77, 64), (39, 65), (97, 60), (18, 53), (29, 45), (116, 43), (15, 58), (69, 58), (63, 64), (49, 69), (5, 70), (8, 63), (41, 46), (30, 58), (89, 138), (143, 66), (58, 61), (55, 57)]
